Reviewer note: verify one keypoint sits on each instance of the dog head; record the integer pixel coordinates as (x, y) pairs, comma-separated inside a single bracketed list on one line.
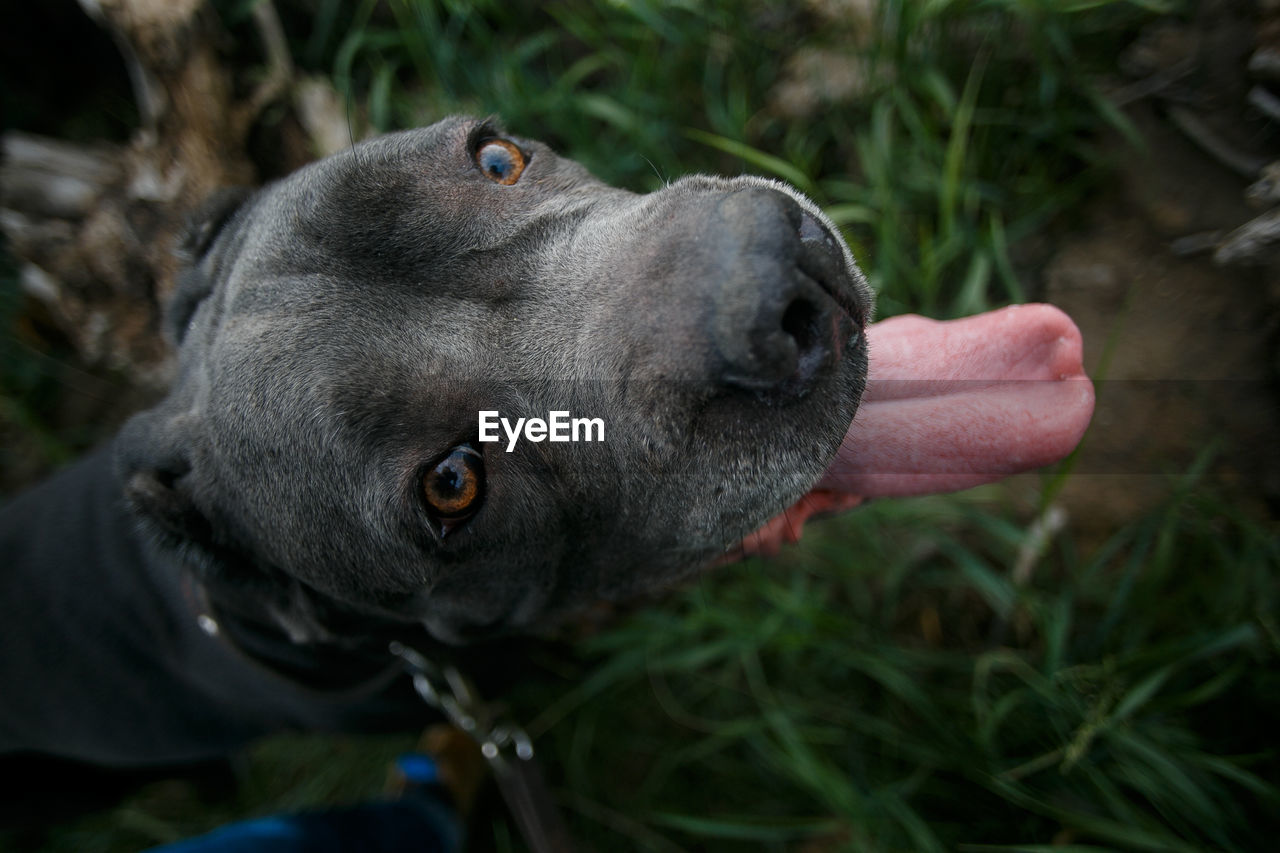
[(341, 331)]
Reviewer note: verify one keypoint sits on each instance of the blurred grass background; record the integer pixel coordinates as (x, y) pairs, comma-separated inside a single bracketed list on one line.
[(932, 674)]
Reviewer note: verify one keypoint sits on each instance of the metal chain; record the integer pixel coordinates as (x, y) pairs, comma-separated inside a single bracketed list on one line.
[(505, 745)]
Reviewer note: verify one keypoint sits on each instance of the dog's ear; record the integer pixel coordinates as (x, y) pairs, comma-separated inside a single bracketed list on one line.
[(157, 456), (203, 227), (154, 455)]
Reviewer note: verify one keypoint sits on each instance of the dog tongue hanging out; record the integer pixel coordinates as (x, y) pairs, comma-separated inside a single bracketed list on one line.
[(950, 405)]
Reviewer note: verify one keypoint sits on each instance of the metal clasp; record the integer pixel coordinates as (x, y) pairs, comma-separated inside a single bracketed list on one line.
[(447, 690)]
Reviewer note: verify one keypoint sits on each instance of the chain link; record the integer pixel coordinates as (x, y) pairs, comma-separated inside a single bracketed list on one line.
[(506, 747), (447, 690)]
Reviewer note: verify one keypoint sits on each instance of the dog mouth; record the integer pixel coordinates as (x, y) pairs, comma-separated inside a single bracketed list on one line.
[(948, 406)]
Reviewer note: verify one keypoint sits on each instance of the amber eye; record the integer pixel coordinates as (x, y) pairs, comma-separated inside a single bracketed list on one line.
[(454, 487), (501, 161)]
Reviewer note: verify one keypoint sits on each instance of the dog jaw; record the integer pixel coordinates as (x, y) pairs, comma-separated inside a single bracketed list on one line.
[(951, 405)]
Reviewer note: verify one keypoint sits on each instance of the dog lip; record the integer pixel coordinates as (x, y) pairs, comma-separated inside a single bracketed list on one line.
[(845, 301), (823, 260)]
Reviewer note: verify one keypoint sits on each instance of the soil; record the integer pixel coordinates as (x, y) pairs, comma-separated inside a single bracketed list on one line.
[(1185, 349)]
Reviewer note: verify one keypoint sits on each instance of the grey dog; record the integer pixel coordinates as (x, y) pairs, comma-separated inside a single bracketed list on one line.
[(234, 562)]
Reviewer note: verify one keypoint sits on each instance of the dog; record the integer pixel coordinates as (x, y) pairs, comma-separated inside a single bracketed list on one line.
[(315, 483)]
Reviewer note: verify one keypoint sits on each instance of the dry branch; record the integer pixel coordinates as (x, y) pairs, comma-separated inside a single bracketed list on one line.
[(94, 225)]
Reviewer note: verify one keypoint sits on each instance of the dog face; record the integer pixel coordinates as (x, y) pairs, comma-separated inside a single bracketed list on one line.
[(340, 332)]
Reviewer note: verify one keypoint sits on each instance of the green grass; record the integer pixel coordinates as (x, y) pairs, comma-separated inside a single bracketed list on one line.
[(974, 124), (891, 685), (894, 684)]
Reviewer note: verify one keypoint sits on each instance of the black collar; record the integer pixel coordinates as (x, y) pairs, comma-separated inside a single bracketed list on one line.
[(353, 665)]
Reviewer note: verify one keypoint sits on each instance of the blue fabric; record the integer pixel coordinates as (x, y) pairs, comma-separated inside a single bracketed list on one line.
[(418, 822), (418, 769)]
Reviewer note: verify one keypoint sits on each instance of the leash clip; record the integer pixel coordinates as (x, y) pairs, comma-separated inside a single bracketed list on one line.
[(505, 746), (447, 690)]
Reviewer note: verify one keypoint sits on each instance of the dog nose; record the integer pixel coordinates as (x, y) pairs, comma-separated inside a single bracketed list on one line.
[(772, 321)]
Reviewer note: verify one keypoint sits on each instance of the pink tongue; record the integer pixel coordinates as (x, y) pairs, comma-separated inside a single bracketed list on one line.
[(950, 405), (956, 404)]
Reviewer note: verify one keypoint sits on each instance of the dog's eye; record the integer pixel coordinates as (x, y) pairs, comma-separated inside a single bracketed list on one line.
[(501, 161), (454, 487)]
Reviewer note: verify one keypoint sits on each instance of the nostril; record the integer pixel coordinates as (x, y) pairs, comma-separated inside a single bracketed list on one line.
[(800, 321), (778, 354), (804, 321)]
